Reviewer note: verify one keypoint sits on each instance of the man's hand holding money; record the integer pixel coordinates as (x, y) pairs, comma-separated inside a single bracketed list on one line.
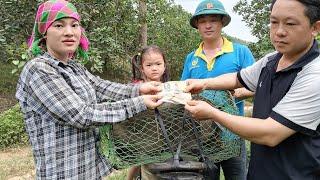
[(175, 92)]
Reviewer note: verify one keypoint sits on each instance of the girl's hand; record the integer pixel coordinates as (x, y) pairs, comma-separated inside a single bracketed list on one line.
[(195, 86), (151, 87), (199, 110), (152, 101)]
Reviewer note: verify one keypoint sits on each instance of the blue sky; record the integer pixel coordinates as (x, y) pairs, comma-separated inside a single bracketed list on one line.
[(236, 28)]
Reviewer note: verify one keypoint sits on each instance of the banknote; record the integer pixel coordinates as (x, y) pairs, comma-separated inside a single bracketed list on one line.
[(174, 92)]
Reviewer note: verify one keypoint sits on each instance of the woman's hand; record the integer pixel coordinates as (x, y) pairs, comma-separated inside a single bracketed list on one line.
[(152, 101), (200, 110), (151, 87)]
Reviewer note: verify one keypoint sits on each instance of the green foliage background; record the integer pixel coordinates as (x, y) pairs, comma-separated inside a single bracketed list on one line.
[(255, 14), (113, 29)]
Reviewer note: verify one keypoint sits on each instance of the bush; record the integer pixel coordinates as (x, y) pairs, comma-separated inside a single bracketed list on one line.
[(8, 81), (12, 130)]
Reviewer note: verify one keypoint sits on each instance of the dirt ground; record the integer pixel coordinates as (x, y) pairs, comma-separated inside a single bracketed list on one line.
[(16, 164), (6, 102)]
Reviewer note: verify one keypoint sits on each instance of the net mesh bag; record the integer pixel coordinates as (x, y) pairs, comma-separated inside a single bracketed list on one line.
[(140, 140)]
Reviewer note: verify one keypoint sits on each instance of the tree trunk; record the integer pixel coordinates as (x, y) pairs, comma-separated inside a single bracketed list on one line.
[(143, 36)]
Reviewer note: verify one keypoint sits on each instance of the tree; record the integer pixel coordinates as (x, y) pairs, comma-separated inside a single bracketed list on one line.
[(143, 23), (15, 25), (113, 28), (256, 15), (168, 27)]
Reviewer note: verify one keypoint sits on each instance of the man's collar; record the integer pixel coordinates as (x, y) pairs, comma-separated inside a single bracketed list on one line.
[(227, 47), (302, 61)]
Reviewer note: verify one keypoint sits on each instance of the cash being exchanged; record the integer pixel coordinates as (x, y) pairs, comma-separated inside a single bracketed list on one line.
[(174, 92)]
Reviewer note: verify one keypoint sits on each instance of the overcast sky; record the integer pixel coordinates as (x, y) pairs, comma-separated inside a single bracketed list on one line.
[(236, 28)]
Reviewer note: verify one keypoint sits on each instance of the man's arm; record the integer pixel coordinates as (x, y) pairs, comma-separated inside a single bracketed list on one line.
[(226, 81), (261, 131)]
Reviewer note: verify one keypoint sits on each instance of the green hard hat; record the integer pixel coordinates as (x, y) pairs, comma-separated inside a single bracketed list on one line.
[(208, 7)]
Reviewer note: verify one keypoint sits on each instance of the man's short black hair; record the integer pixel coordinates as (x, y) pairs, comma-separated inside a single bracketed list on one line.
[(312, 9)]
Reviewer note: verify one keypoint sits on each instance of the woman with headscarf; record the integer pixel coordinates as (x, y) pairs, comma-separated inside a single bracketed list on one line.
[(63, 103)]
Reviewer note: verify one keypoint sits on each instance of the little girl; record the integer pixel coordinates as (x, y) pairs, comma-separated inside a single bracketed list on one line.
[(149, 65)]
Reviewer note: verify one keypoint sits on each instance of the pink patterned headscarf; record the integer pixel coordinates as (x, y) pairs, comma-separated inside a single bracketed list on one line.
[(49, 12)]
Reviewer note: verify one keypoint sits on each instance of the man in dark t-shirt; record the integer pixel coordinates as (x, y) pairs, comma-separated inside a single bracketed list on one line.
[(284, 129)]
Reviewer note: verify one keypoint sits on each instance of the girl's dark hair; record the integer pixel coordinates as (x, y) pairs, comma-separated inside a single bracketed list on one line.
[(137, 61), (312, 9)]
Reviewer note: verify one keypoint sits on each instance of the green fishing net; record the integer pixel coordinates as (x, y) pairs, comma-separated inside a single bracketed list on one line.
[(140, 140)]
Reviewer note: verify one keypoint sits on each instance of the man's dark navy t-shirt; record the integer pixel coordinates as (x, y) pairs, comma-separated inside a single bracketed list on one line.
[(297, 157)]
